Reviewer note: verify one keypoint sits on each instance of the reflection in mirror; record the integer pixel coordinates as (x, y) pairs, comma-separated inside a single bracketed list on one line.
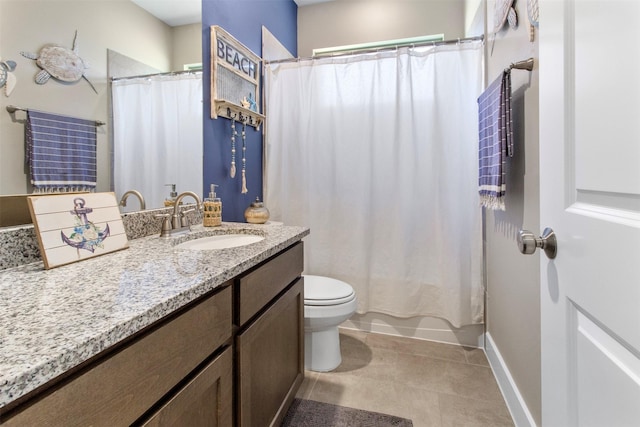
[(157, 137), (27, 26), (157, 122)]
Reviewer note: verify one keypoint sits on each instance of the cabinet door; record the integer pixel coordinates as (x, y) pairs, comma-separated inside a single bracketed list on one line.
[(270, 358), (205, 401)]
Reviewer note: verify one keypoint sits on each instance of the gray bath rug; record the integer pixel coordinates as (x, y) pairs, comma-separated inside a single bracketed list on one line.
[(309, 413)]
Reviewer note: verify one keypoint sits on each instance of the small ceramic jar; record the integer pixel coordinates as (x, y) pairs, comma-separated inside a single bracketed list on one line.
[(256, 213)]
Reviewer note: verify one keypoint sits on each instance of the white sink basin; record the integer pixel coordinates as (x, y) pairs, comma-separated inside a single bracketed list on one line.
[(222, 241)]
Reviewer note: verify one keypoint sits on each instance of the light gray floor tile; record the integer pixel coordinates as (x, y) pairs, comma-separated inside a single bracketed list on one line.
[(463, 412), (476, 356), (433, 384), (309, 381), (417, 347)]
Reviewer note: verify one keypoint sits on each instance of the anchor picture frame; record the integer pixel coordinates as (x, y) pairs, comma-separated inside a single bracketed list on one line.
[(71, 227)]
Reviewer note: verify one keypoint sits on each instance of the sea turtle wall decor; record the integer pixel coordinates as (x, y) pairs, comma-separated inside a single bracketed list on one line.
[(60, 63), (7, 79), (504, 11)]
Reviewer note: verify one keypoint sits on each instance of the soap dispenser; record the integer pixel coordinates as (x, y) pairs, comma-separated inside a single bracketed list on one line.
[(171, 200), (212, 207)]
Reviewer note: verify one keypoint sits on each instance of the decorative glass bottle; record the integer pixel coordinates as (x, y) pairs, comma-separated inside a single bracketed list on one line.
[(256, 213)]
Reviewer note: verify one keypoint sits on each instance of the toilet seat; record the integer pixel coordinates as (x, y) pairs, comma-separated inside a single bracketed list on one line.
[(325, 291)]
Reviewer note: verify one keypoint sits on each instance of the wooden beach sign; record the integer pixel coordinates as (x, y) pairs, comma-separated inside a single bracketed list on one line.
[(76, 226)]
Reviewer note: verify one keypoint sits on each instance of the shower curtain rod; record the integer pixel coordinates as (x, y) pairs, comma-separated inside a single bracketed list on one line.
[(355, 52), (169, 73)]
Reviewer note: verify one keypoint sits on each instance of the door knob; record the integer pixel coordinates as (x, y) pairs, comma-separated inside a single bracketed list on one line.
[(528, 242)]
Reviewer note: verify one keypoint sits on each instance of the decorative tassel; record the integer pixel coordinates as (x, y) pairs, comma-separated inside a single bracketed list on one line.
[(232, 171), (244, 183), (244, 158)]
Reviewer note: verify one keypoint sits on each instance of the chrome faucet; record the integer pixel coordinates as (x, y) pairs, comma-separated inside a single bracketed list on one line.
[(178, 220), (178, 223), (123, 200)]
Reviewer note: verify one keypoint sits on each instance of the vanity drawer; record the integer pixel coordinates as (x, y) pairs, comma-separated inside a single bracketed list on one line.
[(261, 285), (119, 388)]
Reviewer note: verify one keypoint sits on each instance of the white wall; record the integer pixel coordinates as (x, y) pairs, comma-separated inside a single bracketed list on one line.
[(513, 279), (474, 17), (338, 23), (186, 45)]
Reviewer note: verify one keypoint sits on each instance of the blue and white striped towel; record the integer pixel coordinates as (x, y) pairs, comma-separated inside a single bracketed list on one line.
[(61, 153), (496, 141)]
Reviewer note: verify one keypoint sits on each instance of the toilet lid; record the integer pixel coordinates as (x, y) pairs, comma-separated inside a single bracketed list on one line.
[(320, 290)]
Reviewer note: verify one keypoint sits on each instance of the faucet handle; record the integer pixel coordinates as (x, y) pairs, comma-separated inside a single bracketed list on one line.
[(183, 217), (166, 224)]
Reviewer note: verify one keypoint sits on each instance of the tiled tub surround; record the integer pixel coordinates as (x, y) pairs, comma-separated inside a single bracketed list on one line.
[(20, 245), (53, 320)]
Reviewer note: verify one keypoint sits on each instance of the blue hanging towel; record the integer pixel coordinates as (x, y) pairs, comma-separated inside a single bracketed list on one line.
[(496, 141), (61, 153)]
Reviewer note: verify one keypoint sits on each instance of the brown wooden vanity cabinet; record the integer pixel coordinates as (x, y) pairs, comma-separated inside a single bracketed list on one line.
[(270, 340), (248, 334), (120, 387)]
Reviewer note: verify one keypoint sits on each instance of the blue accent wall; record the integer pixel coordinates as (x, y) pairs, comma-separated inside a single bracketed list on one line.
[(243, 19)]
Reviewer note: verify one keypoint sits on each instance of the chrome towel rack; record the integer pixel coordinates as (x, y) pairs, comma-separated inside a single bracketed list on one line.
[(526, 64), (12, 109)]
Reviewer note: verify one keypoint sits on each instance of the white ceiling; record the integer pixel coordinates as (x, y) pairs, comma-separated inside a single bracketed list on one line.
[(183, 12), (173, 12)]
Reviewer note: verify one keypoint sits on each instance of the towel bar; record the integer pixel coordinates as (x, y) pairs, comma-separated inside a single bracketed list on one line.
[(527, 64), (12, 109)]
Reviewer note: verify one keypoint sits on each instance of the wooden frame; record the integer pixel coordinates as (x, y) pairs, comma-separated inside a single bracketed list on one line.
[(235, 79), (76, 226)]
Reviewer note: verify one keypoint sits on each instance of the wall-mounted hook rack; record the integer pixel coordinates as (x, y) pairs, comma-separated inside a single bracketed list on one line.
[(233, 111)]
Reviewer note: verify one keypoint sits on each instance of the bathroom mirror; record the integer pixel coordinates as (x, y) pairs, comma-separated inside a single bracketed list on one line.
[(102, 25)]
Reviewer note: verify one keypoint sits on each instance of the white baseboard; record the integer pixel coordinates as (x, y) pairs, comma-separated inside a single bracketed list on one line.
[(426, 328), (516, 404)]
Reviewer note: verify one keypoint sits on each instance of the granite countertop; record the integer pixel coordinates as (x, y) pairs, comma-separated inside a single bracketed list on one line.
[(53, 320)]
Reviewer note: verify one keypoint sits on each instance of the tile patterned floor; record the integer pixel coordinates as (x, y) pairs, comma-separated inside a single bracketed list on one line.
[(433, 384)]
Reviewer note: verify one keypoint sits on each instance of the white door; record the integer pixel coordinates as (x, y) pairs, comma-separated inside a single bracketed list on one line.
[(590, 195)]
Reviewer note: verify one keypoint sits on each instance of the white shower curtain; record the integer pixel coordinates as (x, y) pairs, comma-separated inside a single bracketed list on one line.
[(377, 154), (157, 136)]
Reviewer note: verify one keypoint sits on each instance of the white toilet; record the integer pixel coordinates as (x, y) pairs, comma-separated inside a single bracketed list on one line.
[(327, 303)]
